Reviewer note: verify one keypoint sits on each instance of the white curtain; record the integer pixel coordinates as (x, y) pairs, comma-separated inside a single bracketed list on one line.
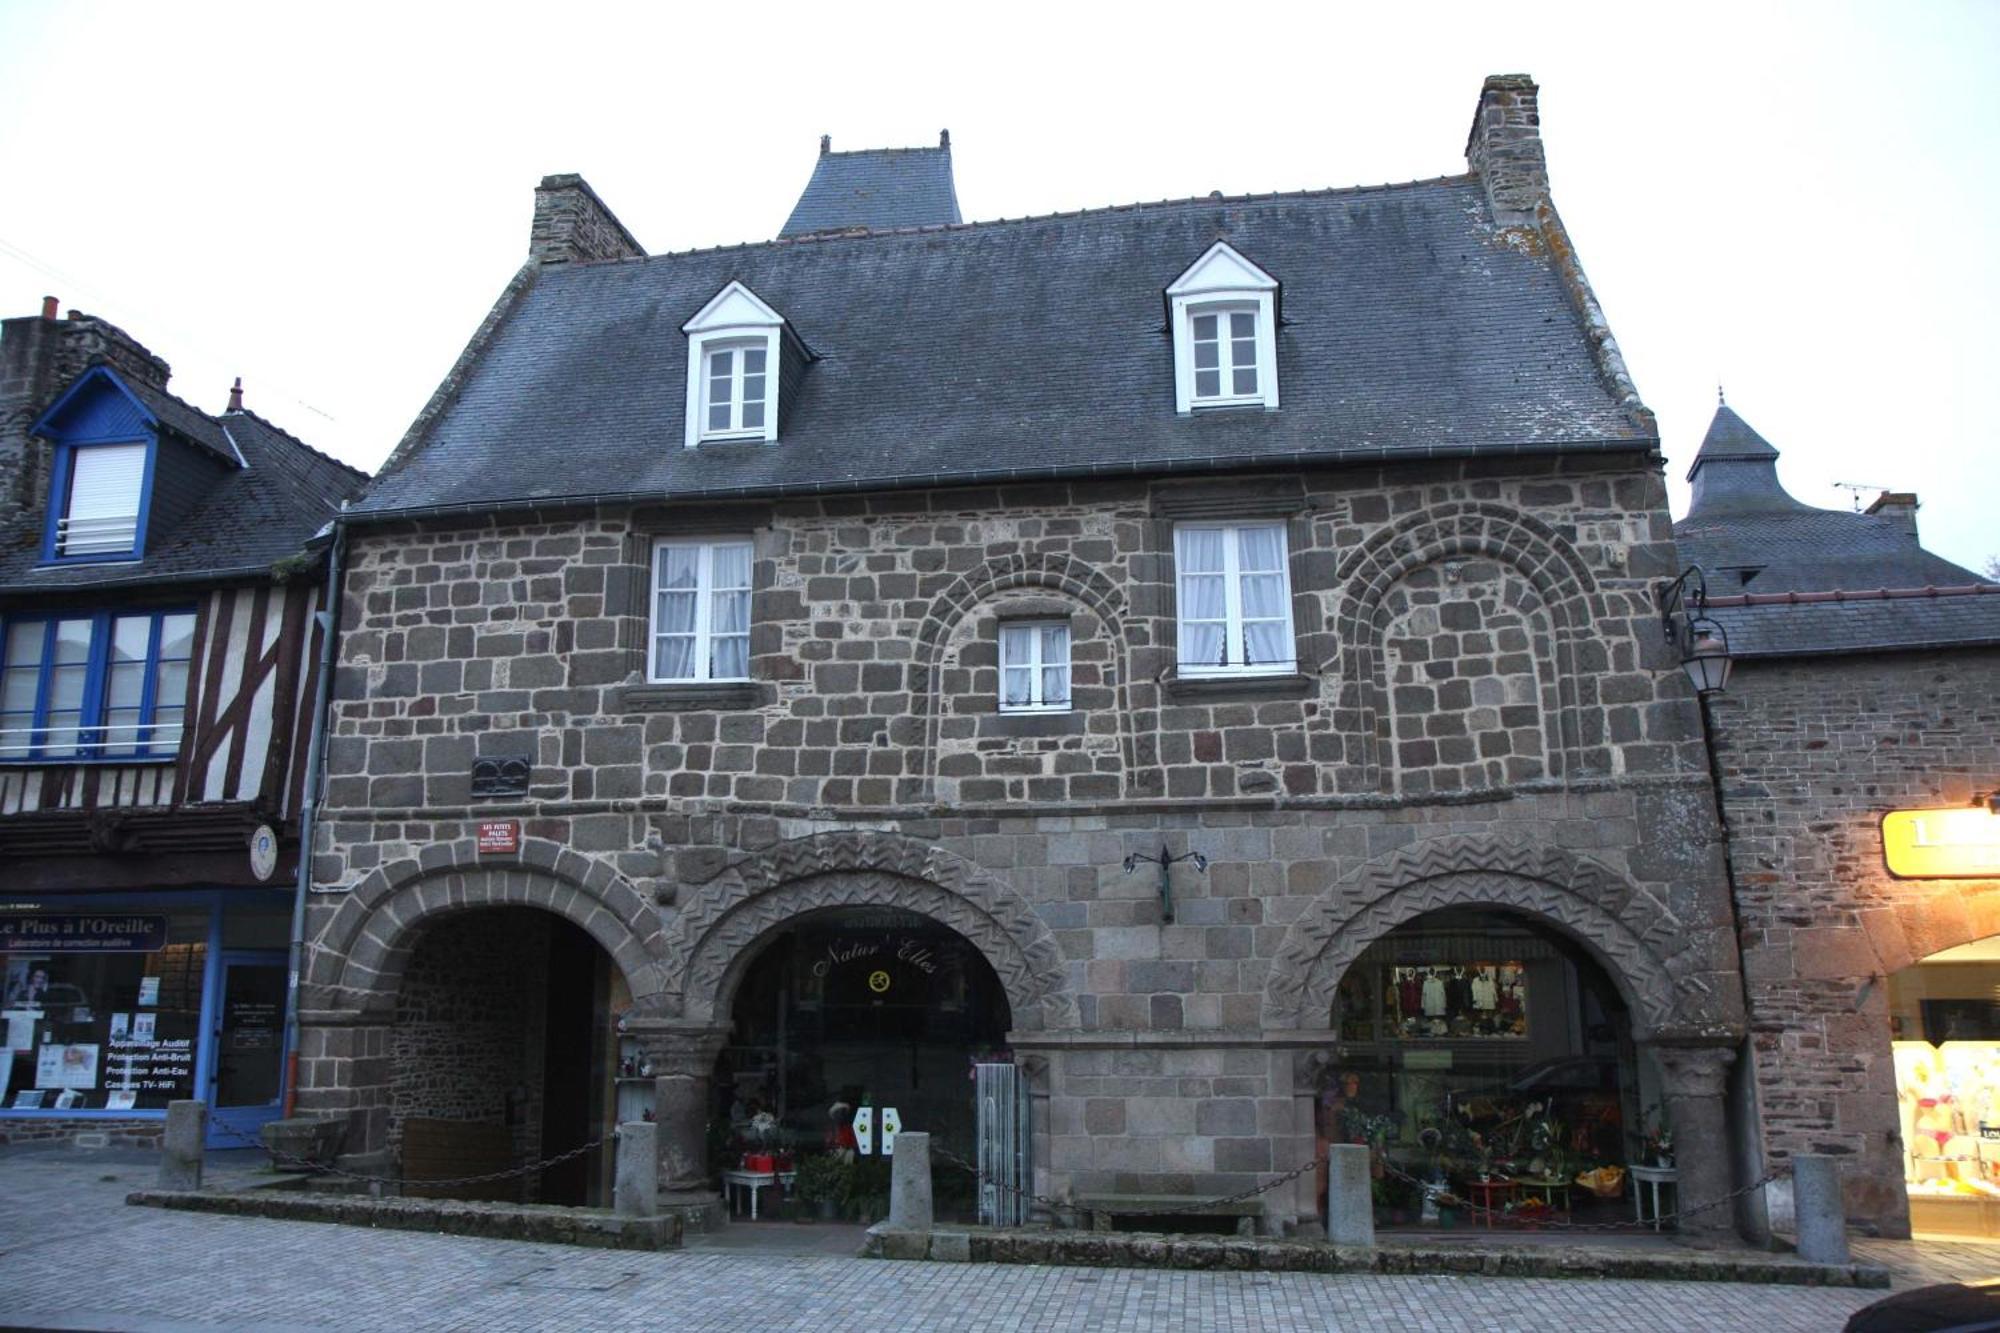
[(1261, 561), (729, 613), (1204, 608), (678, 579), (1055, 664)]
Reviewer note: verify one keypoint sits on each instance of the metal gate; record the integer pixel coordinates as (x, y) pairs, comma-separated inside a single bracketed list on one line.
[(1004, 1172)]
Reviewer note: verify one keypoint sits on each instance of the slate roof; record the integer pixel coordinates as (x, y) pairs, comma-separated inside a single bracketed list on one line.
[(879, 189), (1410, 328), (1743, 521), (250, 519)]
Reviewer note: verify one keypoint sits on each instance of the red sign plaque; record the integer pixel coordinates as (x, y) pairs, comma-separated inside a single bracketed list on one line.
[(499, 835)]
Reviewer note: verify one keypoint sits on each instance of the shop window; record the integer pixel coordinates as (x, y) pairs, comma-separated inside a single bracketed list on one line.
[(102, 1010), (1945, 1025), (1489, 1062)]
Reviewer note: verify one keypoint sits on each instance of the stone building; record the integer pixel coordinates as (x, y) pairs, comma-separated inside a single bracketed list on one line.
[(1867, 679), (158, 662), (759, 667)]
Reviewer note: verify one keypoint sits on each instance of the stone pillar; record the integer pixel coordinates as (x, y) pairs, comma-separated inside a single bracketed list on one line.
[(683, 1060), (1350, 1201), (636, 1174), (910, 1182), (180, 1147), (1693, 1082), (1822, 1217)]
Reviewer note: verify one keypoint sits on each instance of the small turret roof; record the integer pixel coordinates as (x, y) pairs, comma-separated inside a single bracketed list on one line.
[(877, 189)]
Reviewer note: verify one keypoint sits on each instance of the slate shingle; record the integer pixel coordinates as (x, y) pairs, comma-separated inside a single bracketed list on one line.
[(879, 189), (1410, 328)]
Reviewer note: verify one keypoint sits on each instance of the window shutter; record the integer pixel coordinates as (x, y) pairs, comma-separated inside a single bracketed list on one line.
[(106, 481)]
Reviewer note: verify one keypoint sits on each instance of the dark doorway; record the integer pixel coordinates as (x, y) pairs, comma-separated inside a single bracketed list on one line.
[(499, 1056)]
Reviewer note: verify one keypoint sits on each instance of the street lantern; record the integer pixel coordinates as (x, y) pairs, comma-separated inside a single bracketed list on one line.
[(1701, 643)]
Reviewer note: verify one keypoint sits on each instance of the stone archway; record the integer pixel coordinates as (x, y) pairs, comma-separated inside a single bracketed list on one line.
[(721, 923), (1648, 953), (1519, 542), (355, 960)]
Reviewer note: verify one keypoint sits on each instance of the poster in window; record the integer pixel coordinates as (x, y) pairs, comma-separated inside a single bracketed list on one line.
[(71, 1066), (28, 1099), (27, 983), (1458, 1000), (149, 991), (123, 1100), (144, 1026)]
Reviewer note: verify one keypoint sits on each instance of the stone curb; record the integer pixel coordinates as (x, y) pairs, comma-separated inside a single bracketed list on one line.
[(545, 1223), (1139, 1250)]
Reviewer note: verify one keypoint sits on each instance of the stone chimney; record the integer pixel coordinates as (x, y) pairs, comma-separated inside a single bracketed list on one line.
[(39, 356), (86, 338), (1899, 505), (1505, 149), (572, 225)]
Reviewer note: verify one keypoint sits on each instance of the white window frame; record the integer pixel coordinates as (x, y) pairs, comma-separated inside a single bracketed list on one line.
[(704, 608), (734, 349), (1232, 597), (1222, 282), (1035, 665), (110, 535), (734, 318)]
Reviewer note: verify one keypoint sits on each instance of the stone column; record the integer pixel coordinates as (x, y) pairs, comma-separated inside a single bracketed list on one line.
[(1693, 1083), (683, 1060)]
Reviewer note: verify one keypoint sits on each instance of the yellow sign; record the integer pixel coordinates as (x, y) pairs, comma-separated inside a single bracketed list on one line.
[(1958, 843), (878, 982)]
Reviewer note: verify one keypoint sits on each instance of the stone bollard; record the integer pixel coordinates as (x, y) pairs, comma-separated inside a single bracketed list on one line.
[(635, 1188), (910, 1182), (180, 1147), (1822, 1215), (1350, 1203)]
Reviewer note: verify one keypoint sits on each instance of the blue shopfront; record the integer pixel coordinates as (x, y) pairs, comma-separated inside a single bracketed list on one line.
[(114, 1006)]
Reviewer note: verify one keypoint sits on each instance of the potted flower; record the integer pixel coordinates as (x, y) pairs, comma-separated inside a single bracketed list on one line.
[(823, 1183), (1660, 1144), (762, 1134)]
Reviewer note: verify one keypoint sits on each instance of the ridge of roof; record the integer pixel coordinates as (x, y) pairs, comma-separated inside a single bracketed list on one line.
[(1105, 210), (1852, 595), (275, 428)]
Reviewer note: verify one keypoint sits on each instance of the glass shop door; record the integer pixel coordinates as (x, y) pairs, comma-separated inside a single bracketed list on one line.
[(246, 1078)]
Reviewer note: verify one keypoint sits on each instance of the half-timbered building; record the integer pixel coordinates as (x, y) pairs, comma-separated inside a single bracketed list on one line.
[(159, 645)]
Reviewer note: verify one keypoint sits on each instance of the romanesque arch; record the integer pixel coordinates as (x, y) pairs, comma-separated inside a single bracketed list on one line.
[(722, 924), (1440, 533), (1061, 575), (1649, 954), (356, 961)]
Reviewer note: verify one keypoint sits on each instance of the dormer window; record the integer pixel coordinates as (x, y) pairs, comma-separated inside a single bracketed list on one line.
[(104, 490), (737, 380), (740, 352), (1223, 313)]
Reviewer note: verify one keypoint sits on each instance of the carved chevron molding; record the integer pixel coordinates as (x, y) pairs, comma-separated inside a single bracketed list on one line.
[(1648, 951), (713, 935)]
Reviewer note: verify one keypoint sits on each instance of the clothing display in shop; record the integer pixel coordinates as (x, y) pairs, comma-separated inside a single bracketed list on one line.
[(1485, 993), (1434, 996), (1457, 1000)]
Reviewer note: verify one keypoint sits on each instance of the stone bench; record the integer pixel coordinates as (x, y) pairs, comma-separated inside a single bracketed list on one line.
[(1101, 1212)]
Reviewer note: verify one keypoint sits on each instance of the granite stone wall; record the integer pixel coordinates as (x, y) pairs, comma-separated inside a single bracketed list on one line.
[(1482, 713), (1812, 753)]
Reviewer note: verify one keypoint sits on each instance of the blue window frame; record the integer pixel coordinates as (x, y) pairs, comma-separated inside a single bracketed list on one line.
[(106, 685)]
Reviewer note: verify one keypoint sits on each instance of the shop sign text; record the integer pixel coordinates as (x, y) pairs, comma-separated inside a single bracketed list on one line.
[(82, 933), (1957, 843), (499, 835)]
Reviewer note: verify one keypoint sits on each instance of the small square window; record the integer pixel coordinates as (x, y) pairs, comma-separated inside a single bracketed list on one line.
[(1034, 666), (701, 611)]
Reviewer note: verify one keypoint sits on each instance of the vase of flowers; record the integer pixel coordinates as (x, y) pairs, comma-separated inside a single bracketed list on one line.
[(762, 1136)]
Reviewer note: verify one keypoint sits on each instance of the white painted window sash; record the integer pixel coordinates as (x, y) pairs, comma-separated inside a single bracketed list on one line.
[(1235, 624), (702, 628), (1031, 631)]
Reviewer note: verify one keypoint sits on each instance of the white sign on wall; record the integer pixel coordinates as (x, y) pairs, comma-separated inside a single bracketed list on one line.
[(864, 1130), (892, 1124)]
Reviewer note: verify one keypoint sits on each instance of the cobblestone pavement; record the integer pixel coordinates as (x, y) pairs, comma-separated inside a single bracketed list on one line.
[(73, 1255)]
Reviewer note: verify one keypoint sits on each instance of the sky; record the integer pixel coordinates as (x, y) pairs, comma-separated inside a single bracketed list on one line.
[(1790, 201)]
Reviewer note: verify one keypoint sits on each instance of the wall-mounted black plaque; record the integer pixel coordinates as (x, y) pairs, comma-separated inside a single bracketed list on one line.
[(501, 775)]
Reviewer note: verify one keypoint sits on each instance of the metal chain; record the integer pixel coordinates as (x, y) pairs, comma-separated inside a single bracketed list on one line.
[(1266, 1187), (1657, 1223), (326, 1170), (1662, 1221)]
